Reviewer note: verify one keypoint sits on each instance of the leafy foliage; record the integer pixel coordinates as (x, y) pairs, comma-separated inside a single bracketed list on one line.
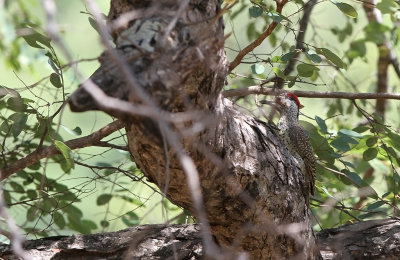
[(75, 190), (357, 150)]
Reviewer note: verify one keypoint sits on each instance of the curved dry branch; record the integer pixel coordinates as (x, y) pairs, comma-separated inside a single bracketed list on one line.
[(259, 40), (309, 94), (43, 152)]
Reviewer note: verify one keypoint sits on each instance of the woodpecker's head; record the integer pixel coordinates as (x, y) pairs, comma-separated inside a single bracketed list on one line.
[(288, 103)]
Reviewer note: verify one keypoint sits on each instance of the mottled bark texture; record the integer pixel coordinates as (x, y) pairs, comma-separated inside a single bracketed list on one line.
[(250, 183), (374, 239)]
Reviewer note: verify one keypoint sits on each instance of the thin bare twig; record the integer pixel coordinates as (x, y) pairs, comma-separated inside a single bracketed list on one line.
[(310, 94)]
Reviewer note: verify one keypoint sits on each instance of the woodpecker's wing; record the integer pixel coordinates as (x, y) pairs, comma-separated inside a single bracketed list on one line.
[(302, 145)]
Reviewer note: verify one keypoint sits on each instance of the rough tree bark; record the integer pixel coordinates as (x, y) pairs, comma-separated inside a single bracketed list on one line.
[(251, 185), (374, 239)]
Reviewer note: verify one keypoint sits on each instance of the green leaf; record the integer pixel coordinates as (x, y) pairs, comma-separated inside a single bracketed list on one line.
[(130, 219), (278, 72), (66, 153), (16, 104), (346, 9), (313, 56), (89, 224), (17, 187), (55, 80), (288, 56), (30, 213), (35, 38), (340, 144), (132, 200), (255, 11), (387, 6), (306, 70), (276, 59), (31, 194), (357, 49), (327, 192), (371, 141), (376, 205), (257, 68), (356, 179), (76, 131), (104, 223), (277, 17), (370, 215), (19, 123), (375, 32), (7, 197), (103, 199), (370, 154), (59, 220), (331, 57), (322, 125), (349, 133), (396, 177)]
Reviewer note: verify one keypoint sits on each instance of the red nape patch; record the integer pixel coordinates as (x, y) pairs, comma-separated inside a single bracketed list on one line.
[(295, 99)]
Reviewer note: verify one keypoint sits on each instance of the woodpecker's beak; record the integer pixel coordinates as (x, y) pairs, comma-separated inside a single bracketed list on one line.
[(271, 103)]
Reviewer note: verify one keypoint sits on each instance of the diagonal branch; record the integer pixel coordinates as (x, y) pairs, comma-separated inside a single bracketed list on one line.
[(48, 151), (304, 22), (259, 40)]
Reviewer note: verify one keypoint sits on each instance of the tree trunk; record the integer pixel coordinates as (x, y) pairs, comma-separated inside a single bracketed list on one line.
[(374, 239), (173, 59)]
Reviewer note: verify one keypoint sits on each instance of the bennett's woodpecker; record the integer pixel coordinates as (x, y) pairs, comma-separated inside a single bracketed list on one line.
[(296, 138)]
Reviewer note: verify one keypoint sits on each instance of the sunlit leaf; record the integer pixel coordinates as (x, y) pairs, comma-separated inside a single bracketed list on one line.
[(350, 133), (387, 6), (76, 131), (278, 72), (66, 153), (331, 57), (277, 17), (257, 68)]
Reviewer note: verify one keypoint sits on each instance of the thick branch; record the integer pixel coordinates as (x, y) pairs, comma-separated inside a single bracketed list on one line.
[(373, 239), (310, 94), (89, 140), (259, 40)]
